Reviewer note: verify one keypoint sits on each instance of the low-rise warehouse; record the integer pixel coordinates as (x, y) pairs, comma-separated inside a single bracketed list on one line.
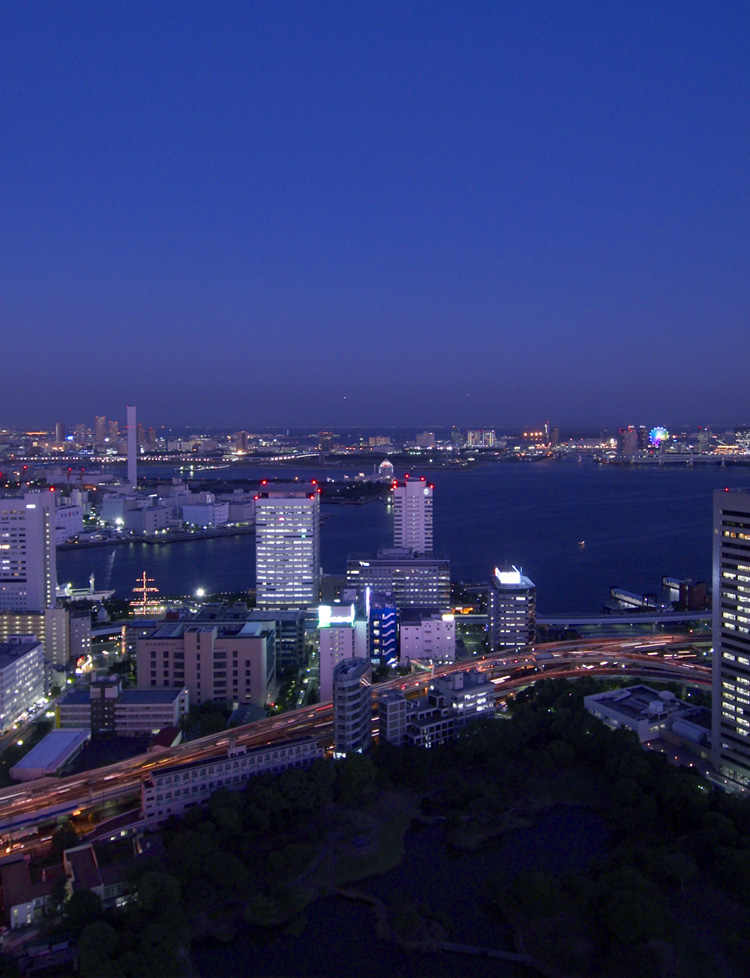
[(50, 755)]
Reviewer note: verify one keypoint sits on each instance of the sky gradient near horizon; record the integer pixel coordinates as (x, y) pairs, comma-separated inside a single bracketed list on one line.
[(340, 213)]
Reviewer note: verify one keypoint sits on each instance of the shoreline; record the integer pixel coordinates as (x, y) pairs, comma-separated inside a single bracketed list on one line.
[(160, 541)]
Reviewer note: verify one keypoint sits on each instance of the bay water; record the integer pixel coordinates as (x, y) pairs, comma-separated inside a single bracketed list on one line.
[(574, 528)]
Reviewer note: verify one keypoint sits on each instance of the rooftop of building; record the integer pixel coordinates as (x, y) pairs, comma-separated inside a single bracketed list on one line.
[(415, 616), (18, 887), (287, 490), (11, 652), (76, 696), (164, 772), (351, 668), (242, 626), (637, 702), (84, 867), (54, 749), (399, 555), (169, 629), (290, 614), (469, 680), (167, 737), (105, 680), (508, 577)]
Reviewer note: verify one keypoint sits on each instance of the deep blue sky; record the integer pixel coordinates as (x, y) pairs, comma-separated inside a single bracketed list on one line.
[(337, 213)]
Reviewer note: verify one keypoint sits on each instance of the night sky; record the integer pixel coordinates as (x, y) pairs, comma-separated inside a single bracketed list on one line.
[(290, 213)]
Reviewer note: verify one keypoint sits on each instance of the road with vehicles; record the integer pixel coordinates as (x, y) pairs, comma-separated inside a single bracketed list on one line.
[(664, 658)]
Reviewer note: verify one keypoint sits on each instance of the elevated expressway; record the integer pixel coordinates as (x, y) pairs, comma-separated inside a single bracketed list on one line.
[(35, 802)]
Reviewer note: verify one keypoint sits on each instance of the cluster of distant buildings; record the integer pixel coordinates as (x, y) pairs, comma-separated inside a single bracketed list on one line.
[(638, 442), (392, 608), (38, 637), (108, 440)]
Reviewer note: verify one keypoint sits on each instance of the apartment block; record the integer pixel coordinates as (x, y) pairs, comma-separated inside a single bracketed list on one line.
[(230, 662)]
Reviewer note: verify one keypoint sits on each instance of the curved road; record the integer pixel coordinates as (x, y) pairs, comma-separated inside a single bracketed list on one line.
[(37, 801)]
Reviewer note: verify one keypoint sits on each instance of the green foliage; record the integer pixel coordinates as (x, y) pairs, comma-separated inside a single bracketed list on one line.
[(83, 908), (356, 776), (207, 718), (64, 838), (117, 608), (535, 894), (261, 852)]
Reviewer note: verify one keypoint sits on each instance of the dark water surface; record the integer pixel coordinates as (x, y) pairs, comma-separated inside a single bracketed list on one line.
[(638, 523)]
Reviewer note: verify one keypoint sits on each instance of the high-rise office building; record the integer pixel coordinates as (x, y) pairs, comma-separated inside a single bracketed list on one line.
[(731, 634), (100, 430), (409, 579), (382, 629), (132, 446), (114, 432), (352, 706), (28, 567), (511, 615), (287, 546), (229, 662), (22, 677), (412, 515), (343, 635), (59, 432)]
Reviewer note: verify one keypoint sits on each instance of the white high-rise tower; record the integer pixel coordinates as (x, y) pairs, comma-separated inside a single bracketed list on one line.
[(28, 566), (132, 446), (412, 515), (287, 546), (731, 628)]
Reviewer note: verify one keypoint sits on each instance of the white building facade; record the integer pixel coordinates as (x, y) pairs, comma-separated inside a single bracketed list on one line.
[(287, 546), (23, 678), (411, 579), (343, 635), (412, 515), (28, 566), (427, 633), (171, 791)]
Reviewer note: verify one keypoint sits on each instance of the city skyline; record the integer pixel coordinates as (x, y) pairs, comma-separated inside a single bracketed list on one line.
[(339, 214)]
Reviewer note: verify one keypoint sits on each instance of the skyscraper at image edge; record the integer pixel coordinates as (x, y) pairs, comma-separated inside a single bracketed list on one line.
[(731, 634), (412, 515), (28, 567), (287, 545)]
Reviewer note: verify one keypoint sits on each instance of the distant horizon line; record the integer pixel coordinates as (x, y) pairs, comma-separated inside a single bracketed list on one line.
[(594, 427)]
